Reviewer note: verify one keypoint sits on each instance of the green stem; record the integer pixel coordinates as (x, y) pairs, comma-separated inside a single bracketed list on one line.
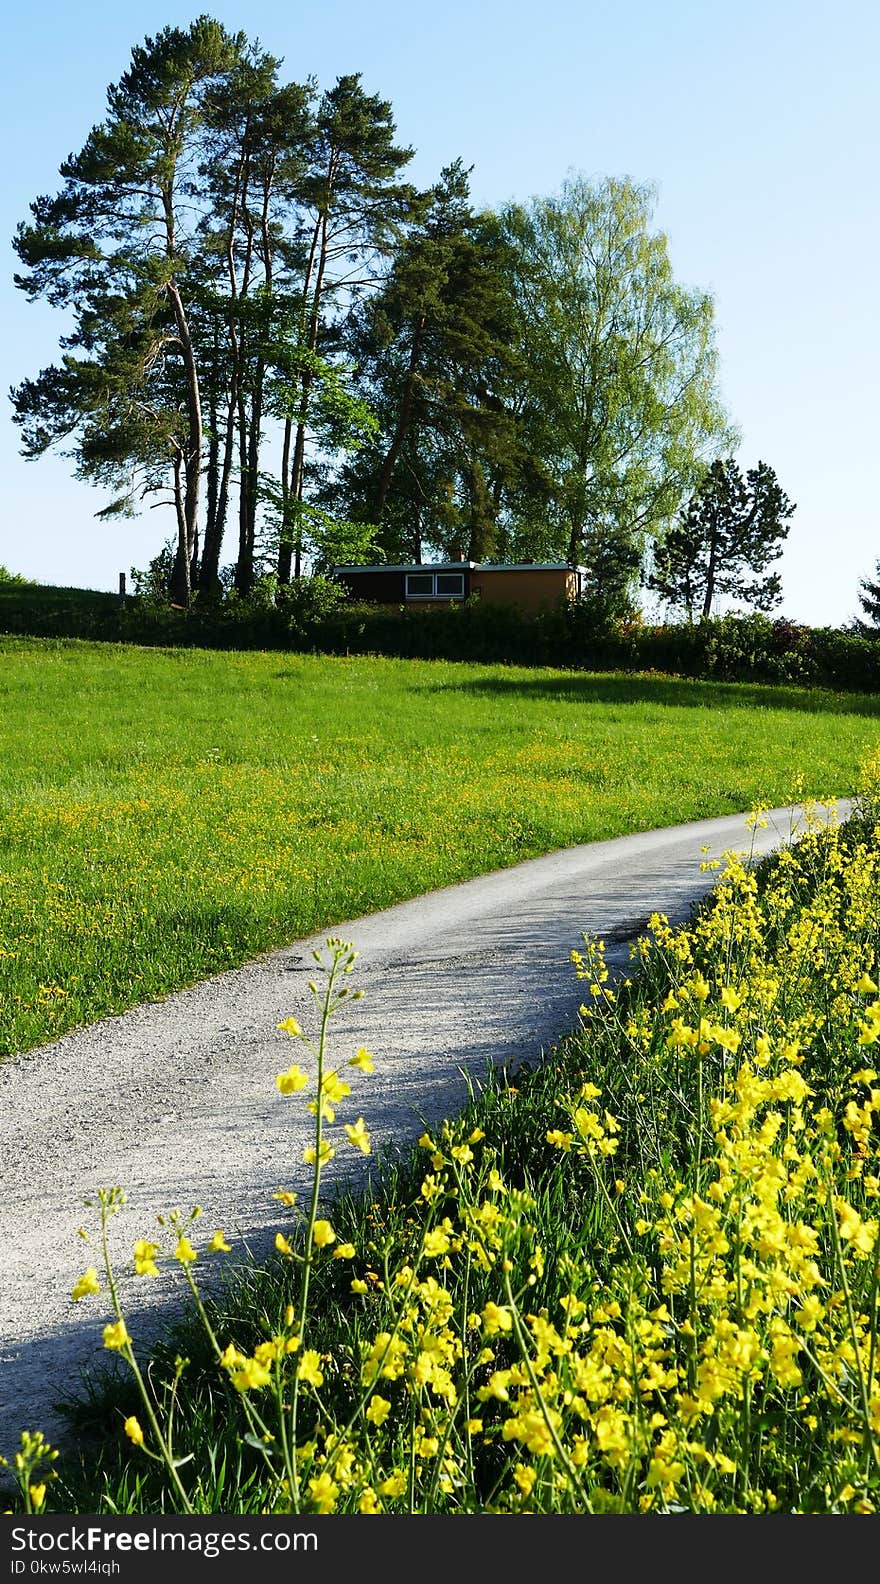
[(127, 1352)]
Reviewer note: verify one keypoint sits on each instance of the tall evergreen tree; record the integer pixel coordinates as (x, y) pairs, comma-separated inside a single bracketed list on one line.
[(115, 246), (356, 204), (259, 136), (433, 347)]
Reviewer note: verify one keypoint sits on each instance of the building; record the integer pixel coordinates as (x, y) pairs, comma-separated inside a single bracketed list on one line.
[(532, 586)]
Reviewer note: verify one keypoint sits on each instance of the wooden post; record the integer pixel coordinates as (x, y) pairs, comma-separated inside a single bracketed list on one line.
[(122, 585)]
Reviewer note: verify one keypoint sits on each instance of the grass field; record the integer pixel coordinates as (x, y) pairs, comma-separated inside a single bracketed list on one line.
[(166, 814)]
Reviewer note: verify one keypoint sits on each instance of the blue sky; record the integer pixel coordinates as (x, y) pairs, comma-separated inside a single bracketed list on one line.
[(758, 125)]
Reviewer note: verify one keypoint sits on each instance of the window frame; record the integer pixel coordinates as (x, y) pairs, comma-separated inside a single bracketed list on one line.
[(434, 593)]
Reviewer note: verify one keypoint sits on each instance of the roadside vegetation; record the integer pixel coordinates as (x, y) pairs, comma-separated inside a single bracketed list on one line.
[(639, 1277), (168, 814)]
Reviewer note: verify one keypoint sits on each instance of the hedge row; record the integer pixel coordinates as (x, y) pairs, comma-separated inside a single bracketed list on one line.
[(729, 648)]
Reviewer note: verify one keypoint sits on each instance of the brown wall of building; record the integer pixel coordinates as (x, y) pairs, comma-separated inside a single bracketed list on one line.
[(531, 590), (386, 588)]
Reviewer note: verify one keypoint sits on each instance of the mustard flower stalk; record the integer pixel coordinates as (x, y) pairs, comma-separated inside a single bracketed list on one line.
[(110, 1201)]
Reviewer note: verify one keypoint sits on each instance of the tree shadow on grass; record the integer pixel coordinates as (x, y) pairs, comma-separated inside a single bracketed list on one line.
[(661, 691)]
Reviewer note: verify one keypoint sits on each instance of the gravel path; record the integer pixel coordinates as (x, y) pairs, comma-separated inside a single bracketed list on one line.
[(176, 1100)]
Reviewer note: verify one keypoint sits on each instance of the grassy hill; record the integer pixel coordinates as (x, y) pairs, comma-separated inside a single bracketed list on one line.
[(166, 814)]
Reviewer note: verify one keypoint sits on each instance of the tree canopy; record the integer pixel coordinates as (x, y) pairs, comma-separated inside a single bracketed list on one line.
[(269, 319)]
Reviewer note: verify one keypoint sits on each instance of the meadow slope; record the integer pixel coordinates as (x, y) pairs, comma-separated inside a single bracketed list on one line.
[(168, 814)]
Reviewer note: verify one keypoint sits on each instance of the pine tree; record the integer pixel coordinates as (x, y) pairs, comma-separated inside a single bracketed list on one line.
[(869, 598), (732, 527)]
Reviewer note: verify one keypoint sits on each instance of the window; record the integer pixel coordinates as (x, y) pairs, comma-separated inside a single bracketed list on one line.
[(450, 584), (435, 585)]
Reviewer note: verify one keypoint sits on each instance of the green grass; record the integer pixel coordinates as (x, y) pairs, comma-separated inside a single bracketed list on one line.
[(166, 814)]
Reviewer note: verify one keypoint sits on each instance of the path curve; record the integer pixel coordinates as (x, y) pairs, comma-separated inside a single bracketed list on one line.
[(175, 1100)]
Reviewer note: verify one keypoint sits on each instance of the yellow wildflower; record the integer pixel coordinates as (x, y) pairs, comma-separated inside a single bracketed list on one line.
[(378, 1410), (116, 1336), (145, 1258), (87, 1285), (324, 1492), (358, 1136), (310, 1368), (291, 1081)]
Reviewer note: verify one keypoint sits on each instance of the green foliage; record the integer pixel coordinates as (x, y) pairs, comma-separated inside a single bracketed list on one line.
[(244, 264), (433, 347), (869, 599), (114, 247), (15, 579), (732, 527), (617, 368)]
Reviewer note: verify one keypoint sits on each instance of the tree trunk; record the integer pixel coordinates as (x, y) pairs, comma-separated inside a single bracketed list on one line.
[(209, 571), (402, 428), (193, 457), (179, 586), (299, 450), (244, 567), (285, 548), (710, 577)]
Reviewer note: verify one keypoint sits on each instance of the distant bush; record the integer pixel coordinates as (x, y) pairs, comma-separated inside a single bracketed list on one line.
[(14, 579)]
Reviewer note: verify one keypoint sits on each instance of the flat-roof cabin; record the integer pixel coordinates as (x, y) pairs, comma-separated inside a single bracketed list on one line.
[(533, 586)]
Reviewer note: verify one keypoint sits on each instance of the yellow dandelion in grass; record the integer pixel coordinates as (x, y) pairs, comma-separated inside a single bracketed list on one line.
[(344, 1251), (363, 1060), (116, 1336), (282, 1245), (87, 1285), (358, 1136), (133, 1430), (323, 1234), (358, 1286)]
